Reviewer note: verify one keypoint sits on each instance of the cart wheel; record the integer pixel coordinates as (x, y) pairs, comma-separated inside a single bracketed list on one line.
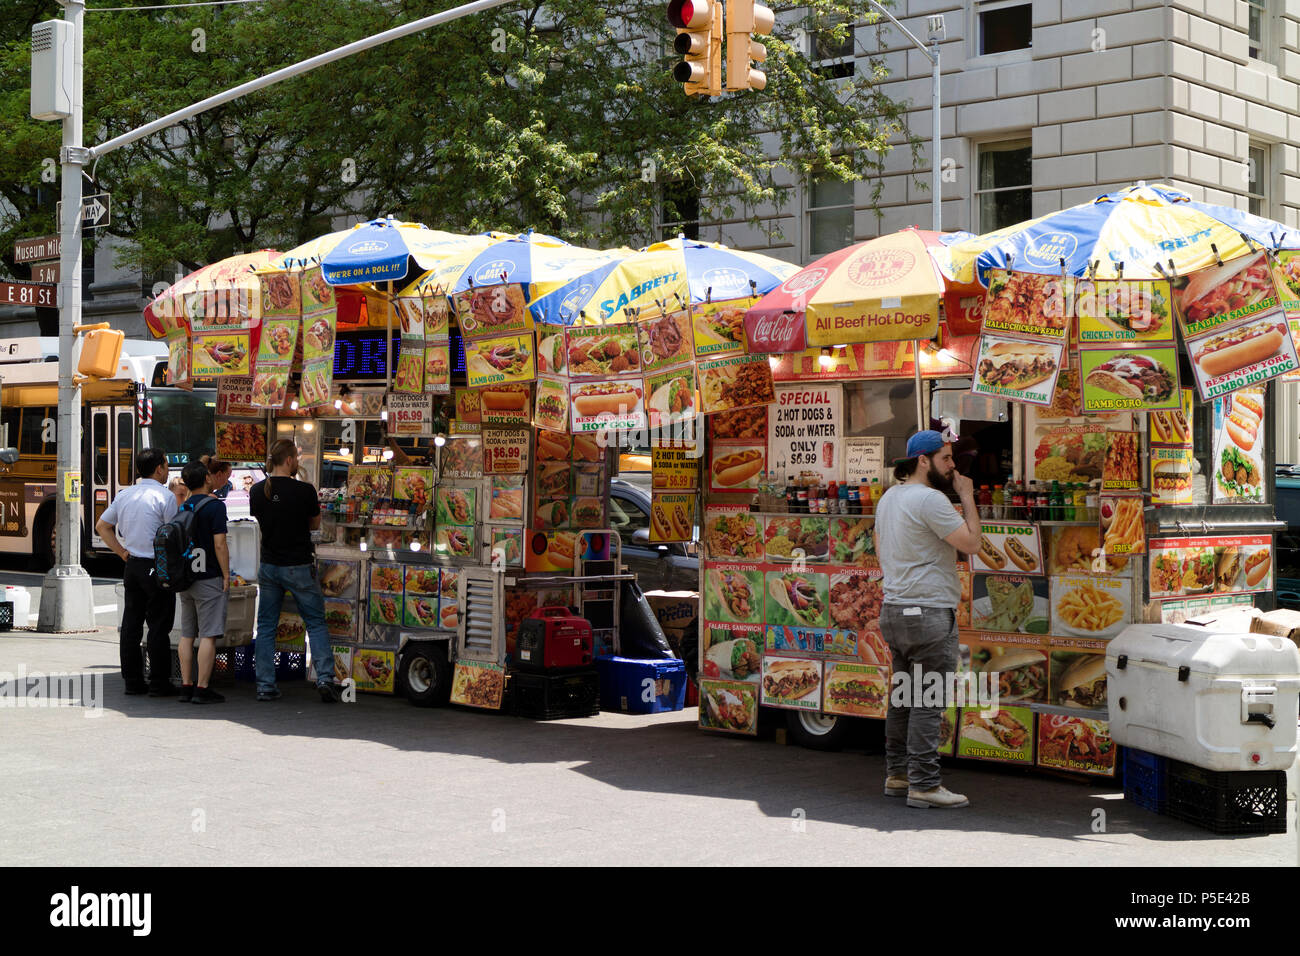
[(817, 731), (425, 674)]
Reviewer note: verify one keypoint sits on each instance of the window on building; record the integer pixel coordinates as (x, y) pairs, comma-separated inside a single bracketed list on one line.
[(1002, 25), (1004, 190), (832, 58), (829, 214), (679, 210), (1257, 29), (1257, 181)]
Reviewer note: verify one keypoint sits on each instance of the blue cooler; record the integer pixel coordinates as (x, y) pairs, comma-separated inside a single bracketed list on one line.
[(641, 686)]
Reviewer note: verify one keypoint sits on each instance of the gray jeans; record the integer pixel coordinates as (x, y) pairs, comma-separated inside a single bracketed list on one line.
[(927, 640)]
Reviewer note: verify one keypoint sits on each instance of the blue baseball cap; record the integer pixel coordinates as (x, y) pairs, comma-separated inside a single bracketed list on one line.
[(925, 443)]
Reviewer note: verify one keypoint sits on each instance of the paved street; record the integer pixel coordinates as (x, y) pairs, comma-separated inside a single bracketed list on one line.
[(157, 782)]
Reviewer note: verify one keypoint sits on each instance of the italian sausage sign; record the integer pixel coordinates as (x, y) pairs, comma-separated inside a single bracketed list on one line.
[(805, 431)]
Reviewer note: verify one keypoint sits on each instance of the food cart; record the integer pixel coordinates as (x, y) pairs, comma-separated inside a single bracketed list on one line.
[(1116, 430)]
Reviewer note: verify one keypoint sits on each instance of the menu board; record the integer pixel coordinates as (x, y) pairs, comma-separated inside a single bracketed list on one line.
[(241, 440), (551, 408), (674, 468), (805, 428), (733, 533), (672, 517), (1171, 454), (610, 405), (1017, 370), (1121, 468), (374, 669), (1181, 567), (1009, 603), (729, 706), (1234, 327), (409, 374), (1113, 311), (461, 457), (857, 690), (1026, 304), (666, 341), (736, 466), (1078, 744), (497, 360), (1090, 605), (478, 684), (864, 459), (492, 310), (738, 381), (409, 414), (1138, 379), (1123, 526), (1010, 546), (792, 683), (506, 404), (1238, 462), (1183, 609), (671, 397), (719, 328), (413, 484), (1005, 736), (505, 451), (437, 344), (319, 317)]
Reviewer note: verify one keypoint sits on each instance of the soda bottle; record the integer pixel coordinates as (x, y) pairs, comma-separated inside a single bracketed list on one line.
[(1056, 505), (984, 501), (1017, 501), (1080, 501), (999, 503)]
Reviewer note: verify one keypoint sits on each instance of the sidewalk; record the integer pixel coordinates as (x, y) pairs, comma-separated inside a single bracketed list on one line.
[(153, 781)]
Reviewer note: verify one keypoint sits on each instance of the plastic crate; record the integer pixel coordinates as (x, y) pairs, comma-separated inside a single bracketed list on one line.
[(641, 686), (6, 615), (1228, 801), (1145, 777), (223, 665), (289, 665), (554, 697)]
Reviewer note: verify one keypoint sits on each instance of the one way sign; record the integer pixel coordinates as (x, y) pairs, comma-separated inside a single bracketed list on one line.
[(94, 210)]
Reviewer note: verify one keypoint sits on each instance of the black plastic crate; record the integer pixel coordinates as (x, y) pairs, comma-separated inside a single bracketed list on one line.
[(6, 615), (223, 665), (1228, 801), (1146, 779), (555, 696)]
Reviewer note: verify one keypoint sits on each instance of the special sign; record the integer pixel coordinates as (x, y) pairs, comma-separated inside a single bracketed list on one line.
[(804, 429)]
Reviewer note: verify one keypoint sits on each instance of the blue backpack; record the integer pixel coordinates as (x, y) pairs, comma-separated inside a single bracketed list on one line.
[(173, 547)]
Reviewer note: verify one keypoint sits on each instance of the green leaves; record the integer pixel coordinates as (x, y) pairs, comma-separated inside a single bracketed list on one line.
[(560, 116)]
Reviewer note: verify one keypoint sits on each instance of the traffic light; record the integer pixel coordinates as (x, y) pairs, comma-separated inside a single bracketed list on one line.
[(699, 41), (745, 17)]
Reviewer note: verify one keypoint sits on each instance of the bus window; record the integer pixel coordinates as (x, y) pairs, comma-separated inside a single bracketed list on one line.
[(125, 448), (100, 444), (184, 423), (33, 431)]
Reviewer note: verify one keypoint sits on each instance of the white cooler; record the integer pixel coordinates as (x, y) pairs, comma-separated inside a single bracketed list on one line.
[(1222, 701)]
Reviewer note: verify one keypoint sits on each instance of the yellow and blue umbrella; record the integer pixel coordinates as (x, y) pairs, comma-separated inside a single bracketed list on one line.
[(381, 250), (536, 261), (673, 273), (1140, 232)]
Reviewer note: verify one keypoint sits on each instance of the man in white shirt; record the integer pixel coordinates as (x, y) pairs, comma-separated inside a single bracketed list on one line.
[(128, 526)]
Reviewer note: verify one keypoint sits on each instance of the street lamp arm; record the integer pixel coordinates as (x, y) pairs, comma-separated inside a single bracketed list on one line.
[(294, 70), (906, 32)]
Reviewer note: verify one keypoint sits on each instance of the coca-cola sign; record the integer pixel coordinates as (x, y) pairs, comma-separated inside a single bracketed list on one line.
[(774, 331)]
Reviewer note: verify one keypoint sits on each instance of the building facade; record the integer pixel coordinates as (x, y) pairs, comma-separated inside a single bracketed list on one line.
[(1049, 103)]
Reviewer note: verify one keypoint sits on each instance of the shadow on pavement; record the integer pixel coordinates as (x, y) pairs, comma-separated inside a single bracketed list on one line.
[(670, 755)]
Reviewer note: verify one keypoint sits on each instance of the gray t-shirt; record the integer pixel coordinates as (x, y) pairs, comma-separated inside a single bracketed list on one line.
[(920, 568)]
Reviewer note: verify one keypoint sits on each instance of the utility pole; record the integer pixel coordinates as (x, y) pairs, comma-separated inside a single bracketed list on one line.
[(67, 598)]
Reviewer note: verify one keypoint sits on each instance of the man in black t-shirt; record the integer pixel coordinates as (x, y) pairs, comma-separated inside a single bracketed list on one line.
[(288, 511), (203, 603)]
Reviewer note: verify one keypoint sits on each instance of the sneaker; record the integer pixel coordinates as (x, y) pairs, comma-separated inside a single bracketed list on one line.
[(187, 692), (896, 786), (163, 690), (271, 694), (940, 797), (206, 695), (330, 692)]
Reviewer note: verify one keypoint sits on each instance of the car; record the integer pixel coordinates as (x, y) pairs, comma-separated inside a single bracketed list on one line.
[(1288, 540), (658, 567)]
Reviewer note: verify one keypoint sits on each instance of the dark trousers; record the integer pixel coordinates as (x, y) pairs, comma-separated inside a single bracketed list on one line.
[(145, 604)]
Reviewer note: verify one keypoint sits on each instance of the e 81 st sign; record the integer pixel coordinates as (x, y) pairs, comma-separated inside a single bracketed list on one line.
[(27, 293)]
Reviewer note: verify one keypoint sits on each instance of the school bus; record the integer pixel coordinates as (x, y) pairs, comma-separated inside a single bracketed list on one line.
[(119, 416)]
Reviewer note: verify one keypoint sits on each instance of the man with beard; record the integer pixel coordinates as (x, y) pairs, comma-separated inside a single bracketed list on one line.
[(918, 534)]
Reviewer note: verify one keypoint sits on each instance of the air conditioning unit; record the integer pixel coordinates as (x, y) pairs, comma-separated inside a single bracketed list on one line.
[(52, 58)]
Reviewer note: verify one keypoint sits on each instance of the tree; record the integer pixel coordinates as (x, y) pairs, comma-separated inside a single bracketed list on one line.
[(557, 115)]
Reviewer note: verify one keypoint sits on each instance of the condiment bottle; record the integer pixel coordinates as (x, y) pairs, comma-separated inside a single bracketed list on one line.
[(1080, 501), (876, 492)]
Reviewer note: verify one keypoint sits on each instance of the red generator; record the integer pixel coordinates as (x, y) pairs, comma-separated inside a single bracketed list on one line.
[(553, 638)]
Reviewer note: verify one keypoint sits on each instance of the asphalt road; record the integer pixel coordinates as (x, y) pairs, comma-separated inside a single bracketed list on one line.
[(152, 781)]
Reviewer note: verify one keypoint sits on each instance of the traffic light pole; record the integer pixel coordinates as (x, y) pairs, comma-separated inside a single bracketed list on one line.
[(67, 597), (931, 53)]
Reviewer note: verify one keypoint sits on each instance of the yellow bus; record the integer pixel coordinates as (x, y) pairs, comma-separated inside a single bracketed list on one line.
[(118, 416)]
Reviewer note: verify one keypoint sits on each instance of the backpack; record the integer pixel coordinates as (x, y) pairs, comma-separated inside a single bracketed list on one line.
[(173, 545)]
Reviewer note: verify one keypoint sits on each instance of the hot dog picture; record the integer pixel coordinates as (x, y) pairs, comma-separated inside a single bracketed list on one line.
[(1245, 414), (1257, 566), (606, 398), (1020, 556), (990, 555), (503, 400), (1240, 347), (734, 469), (1229, 288)]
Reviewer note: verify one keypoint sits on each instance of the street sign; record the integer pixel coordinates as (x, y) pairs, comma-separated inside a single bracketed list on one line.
[(94, 210), (36, 250), (47, 272), (27, 293)]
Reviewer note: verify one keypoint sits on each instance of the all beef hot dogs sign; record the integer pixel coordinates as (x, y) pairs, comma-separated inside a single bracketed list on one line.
[(805, 430)]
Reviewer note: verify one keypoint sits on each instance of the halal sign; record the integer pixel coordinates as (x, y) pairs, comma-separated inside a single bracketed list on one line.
[(874, 267)]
